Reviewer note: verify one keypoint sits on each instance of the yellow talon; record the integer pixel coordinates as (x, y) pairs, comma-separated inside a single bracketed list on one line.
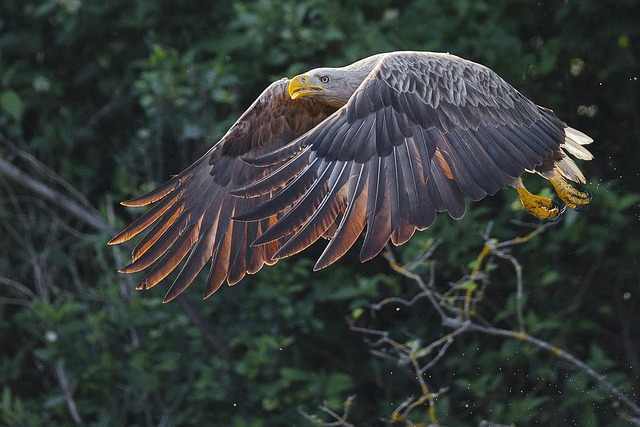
[(538, 206), (569, 195)]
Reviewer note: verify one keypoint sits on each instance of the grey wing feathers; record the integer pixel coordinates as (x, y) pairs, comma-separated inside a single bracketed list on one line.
[(420, 133), (192, 216)]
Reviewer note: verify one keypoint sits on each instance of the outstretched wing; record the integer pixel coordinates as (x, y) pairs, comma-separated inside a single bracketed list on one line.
[(420, 132), (193, 211)]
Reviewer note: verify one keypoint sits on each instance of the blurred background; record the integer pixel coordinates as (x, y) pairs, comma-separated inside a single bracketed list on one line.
[(101, 101)]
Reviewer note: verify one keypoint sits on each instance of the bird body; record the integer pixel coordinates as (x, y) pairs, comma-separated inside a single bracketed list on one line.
[(380, 145)]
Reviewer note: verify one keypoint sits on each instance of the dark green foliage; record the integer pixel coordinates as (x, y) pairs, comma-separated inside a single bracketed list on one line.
[(115, 96)]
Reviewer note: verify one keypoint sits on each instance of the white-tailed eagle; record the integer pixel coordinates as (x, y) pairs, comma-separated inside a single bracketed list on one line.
[(380, 145)]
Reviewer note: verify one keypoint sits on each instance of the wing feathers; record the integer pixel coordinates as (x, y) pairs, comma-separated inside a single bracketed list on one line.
[(296, 189), (402, 228), (158, 230), (219, 265), (145, 220), (195, 262), (419, 133), (353, 220), (420, 160), (170, 261), (160, 192), (159, 247), (378, 212), (273, 181), (193, 210), (315, 186), (322, 218)]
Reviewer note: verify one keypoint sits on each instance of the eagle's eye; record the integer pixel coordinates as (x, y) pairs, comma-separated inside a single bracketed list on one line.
[(324, 79)]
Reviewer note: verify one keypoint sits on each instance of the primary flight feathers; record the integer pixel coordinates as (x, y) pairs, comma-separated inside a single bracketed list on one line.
[(381, 144)]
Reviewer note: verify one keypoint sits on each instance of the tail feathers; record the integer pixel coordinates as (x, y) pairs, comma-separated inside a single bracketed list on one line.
[(569, 170), (573, 144)]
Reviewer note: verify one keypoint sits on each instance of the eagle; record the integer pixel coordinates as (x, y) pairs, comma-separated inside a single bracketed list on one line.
[(378, 146)]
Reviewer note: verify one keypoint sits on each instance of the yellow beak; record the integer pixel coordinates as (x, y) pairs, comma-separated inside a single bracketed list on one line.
[(300, 86)]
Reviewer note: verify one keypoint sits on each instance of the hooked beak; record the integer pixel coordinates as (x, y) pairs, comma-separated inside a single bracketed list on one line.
[(300, 86)]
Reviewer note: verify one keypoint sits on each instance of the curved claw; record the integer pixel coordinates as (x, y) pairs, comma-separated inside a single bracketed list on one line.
[(570, 196), (541, 207), (580, 208), (559, 208)]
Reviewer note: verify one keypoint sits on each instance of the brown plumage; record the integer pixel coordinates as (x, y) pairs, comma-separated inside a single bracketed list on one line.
[(382, 144)]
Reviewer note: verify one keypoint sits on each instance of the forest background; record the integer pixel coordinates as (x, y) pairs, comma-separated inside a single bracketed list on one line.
[(102, 100)]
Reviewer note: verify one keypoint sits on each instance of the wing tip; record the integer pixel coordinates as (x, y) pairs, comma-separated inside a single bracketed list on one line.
[(321, 264), (161, 191), (130, 268), (123, 236), (132, 203), (116, 240), (170, 296), (146, 199)]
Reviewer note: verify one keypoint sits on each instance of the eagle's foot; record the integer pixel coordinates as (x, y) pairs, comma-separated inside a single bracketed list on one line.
[(570, 196), (538, 206)]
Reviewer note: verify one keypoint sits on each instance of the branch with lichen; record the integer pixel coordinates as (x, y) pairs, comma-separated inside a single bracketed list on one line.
[(457, 309), (336, 420)]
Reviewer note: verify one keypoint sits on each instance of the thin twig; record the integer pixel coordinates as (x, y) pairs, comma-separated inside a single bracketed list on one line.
[(519, 285), (17, 286), (86, 215), (45, 171), (63, 381), (338, 420), (458, 314), (560, 353), (425, 287)]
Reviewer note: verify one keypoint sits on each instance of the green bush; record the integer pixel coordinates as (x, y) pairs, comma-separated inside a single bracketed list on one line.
[(113, 97)]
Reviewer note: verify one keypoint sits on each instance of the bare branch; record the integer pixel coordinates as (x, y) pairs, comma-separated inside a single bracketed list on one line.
[(63, 381), (458, 313), (45, 171), (338, 420), (17, 286), (87, 215)]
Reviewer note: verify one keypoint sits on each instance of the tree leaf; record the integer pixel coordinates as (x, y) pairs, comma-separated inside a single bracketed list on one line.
[(12, 104)]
